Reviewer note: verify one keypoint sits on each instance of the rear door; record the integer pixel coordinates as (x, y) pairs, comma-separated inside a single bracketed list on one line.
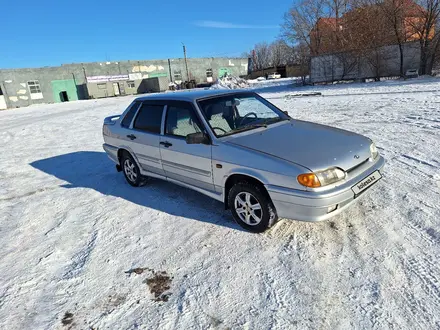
[(188, 163), (145, 136), (123, 140)]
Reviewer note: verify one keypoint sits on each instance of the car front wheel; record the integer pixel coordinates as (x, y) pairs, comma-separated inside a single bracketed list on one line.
[(251, 208)]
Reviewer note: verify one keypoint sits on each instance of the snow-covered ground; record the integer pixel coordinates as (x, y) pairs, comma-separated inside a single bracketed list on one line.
[(70, 229)]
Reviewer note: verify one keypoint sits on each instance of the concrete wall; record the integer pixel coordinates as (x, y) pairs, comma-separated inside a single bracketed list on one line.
[(15, 87), (326, 68)]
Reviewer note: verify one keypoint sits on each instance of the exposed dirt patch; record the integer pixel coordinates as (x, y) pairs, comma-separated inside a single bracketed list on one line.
[(67, 319), (158, 284)]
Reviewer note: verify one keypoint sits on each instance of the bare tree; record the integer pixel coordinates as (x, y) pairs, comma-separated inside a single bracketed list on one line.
[(348, 61), (435, 57), (277, 53), (421, 26), (261, 56), (302, 58), (318, 25), (301, 21), (281, 53), (394, 14), (367, 30)]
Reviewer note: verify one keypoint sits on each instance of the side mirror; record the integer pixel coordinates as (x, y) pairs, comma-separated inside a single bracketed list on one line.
[(286, 112), (197, 138)]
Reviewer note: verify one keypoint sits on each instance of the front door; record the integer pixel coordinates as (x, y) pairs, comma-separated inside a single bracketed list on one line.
[(122, 88), (187, 163), (2, 101), (64, 97), (116, 90), (144, 137)]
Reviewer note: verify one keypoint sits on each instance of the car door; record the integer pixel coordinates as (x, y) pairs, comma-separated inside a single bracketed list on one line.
[(145, 136), (187, 163), (126, 129)]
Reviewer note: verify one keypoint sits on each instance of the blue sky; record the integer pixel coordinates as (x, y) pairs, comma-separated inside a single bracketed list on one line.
[(43, 33)]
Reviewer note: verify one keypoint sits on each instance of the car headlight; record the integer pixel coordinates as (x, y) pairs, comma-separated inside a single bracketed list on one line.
[(373, 150), (321, 178)]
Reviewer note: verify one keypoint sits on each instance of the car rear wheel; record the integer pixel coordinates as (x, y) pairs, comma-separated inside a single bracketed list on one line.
[(131, 170), (251, 208)]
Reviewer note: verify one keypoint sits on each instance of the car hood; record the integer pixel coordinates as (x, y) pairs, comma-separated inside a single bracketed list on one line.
[(314, 146)]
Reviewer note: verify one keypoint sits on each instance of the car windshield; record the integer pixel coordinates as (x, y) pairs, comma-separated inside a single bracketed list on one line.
[(239, 112)]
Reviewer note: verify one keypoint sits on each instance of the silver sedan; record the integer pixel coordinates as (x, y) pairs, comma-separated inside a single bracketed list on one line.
[(242, 150)]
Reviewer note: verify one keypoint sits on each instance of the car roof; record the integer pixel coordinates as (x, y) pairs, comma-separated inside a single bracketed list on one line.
[(189, 95)]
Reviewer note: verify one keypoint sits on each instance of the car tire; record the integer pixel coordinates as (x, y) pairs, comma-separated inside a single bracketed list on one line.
[(131, 170), (251, 208)]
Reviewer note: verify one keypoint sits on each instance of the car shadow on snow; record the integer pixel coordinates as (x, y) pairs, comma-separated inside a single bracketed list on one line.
[(93, 170)]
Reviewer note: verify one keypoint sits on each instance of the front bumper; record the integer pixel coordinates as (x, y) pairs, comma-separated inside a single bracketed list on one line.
[(314, 205)]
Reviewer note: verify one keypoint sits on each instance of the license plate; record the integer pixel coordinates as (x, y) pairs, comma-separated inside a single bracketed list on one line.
[(366, 183)]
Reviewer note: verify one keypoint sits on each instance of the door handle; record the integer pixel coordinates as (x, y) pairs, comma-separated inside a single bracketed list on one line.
[(166, 144), (131, 136)]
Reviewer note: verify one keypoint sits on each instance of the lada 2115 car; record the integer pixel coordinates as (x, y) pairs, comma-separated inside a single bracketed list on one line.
[(242, 150)]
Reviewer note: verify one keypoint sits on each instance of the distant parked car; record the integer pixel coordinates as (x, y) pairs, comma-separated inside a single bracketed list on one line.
[(274, 75), (238, 148), (412, 73)]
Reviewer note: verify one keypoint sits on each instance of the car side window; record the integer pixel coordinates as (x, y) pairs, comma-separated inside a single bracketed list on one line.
[(149, 118), (129, 115), (181, 120)]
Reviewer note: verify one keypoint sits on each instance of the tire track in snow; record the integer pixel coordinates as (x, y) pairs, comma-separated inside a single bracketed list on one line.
[(30, 193), (280, 316), (420, 161), (3, 296), (425, 269), (189, 295), (176, 253), (282, 229), (415, 309), (80, 258), (430, 235)]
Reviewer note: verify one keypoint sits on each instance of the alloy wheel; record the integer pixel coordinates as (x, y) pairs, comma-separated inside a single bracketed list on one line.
[(130, 170), (248, 208)]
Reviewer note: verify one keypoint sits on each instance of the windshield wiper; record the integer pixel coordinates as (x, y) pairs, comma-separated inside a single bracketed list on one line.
[(257, 125), (246, 128), (273, 120)]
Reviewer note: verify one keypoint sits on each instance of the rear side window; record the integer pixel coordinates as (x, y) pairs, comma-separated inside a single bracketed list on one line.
[(149, 118), (130, 114)]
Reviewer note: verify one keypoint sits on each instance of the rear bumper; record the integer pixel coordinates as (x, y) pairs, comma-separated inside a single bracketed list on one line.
[(112, 152), (314, 205)]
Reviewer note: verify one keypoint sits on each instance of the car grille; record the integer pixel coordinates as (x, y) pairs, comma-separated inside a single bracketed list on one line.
[(358, 165)]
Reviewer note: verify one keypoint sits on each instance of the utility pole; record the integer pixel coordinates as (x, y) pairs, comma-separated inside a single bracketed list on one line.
[(186, 62), (169, 68)]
